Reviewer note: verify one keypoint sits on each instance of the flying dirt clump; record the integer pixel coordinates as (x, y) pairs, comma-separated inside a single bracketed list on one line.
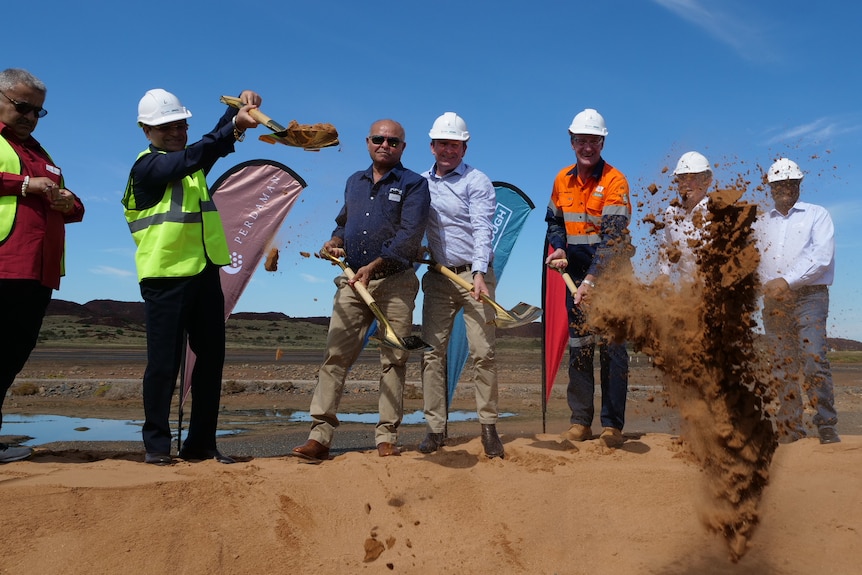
[(700, 335), (270, 264)]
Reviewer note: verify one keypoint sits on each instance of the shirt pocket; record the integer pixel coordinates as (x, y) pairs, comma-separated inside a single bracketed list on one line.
[(595, 204), (566, 199)]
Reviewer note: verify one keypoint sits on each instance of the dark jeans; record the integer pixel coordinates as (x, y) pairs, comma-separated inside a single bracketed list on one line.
[(174, 307), (614, 374), (24, 303)]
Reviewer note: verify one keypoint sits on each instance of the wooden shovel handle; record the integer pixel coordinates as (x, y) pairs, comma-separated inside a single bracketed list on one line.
[(254, 113), (454, 277), (360, 288), (566, 277), (350, 274)]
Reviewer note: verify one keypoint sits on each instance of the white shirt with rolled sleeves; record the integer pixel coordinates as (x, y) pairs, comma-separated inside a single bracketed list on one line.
[(799, 247), (459, 229)]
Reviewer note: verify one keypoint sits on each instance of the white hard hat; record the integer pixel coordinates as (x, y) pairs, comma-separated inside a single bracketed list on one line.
[(159, 107), (589, 122), (784, 169), (692, 163), (449, 126)]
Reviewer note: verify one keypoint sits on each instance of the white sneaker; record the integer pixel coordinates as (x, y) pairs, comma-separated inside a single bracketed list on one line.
[(9, 454)]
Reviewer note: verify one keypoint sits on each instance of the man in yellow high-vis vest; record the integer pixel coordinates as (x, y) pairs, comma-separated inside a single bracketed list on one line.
[(180, 247)]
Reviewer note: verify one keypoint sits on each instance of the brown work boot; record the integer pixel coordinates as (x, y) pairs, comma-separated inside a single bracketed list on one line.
[(432, 442), (612, 437), (311, 452), (491, 441), (577, 432), (386, 449)]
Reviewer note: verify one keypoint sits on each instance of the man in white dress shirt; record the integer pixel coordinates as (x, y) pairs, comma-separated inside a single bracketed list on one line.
[(463, 202), (685, 220), (797, 265)]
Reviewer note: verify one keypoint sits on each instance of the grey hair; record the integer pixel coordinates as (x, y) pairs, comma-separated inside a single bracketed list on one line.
[(11, 77)]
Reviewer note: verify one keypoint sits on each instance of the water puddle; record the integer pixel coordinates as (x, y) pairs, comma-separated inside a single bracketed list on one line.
[(51, 428)]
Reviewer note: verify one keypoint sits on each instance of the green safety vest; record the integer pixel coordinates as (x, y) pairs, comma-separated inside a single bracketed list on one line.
[(176, 236), (11, 164)]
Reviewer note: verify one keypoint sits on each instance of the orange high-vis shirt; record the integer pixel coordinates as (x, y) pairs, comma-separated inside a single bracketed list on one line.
[(581, 204)]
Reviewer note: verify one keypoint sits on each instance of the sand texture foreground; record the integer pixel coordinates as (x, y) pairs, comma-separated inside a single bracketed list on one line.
[(546, 508)]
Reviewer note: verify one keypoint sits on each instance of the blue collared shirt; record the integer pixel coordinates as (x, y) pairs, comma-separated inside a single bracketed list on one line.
[(385, 219), (460, 227)]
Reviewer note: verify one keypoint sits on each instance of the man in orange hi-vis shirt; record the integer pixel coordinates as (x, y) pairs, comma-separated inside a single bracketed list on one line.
[(588, 218)]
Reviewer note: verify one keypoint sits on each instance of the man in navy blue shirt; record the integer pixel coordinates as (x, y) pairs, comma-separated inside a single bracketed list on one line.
[(379, 232)]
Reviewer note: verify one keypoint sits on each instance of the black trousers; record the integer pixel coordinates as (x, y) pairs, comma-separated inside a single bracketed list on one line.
[(24, 304), (175, 307)]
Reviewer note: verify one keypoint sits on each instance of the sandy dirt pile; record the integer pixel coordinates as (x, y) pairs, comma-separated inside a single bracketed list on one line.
[(700, 335), (545, 509)]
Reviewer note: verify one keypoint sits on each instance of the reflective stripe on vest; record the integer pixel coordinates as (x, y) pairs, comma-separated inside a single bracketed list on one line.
[(177, 236), (11, 164)]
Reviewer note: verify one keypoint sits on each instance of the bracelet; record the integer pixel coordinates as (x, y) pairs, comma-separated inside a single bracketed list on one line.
[(24, 186), (590, 283), (239, 135)]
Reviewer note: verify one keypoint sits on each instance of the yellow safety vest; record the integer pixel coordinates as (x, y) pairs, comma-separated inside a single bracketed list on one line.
[(11, 164), (177, 236)]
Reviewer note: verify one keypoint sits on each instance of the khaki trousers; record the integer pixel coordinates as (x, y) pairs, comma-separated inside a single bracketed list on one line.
[(443, 300), (351, 318)]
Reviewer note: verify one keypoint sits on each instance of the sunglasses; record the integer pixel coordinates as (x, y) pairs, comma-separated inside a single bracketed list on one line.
[(171, 127), (24, 108), (594, 142), (377, 140)]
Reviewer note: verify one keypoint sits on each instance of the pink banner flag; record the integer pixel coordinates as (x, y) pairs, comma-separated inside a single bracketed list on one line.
[(253, 198)]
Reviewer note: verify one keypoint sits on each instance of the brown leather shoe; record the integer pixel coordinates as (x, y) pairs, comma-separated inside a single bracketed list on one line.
[(387, 449), (311, 451)]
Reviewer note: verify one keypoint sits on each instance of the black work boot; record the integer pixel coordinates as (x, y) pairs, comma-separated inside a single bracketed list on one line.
[(432, 442), (491, 441)]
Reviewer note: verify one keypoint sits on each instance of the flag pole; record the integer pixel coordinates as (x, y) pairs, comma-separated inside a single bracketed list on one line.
[(544, 342), (182, 391)]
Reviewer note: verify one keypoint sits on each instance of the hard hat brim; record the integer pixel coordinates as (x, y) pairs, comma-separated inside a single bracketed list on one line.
[(185, 114)]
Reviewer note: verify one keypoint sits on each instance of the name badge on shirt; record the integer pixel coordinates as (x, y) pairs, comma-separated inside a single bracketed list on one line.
[(395, 195), (53, 169)]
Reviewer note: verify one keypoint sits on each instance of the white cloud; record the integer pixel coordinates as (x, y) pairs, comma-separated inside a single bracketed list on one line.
[(729, 28), (109, 271), (314, 279), (820, 130)]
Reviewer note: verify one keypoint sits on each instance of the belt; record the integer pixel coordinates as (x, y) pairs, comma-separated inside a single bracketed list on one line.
[(808, 290), (386, 272), (460, 269)]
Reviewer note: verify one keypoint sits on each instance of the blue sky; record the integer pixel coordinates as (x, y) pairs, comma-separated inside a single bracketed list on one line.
[(742, 82)]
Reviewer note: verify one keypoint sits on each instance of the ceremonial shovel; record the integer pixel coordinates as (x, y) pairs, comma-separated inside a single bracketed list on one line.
[(566, 278), (521, 314), (385, 334), (278, 131)]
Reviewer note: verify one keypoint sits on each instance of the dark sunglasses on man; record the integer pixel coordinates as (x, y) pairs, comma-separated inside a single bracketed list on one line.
[(378, 140), (24, 108)]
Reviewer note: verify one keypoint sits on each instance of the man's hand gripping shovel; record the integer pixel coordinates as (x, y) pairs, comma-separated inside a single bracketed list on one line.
[(520, 314), (385, 333), (560, 266)]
